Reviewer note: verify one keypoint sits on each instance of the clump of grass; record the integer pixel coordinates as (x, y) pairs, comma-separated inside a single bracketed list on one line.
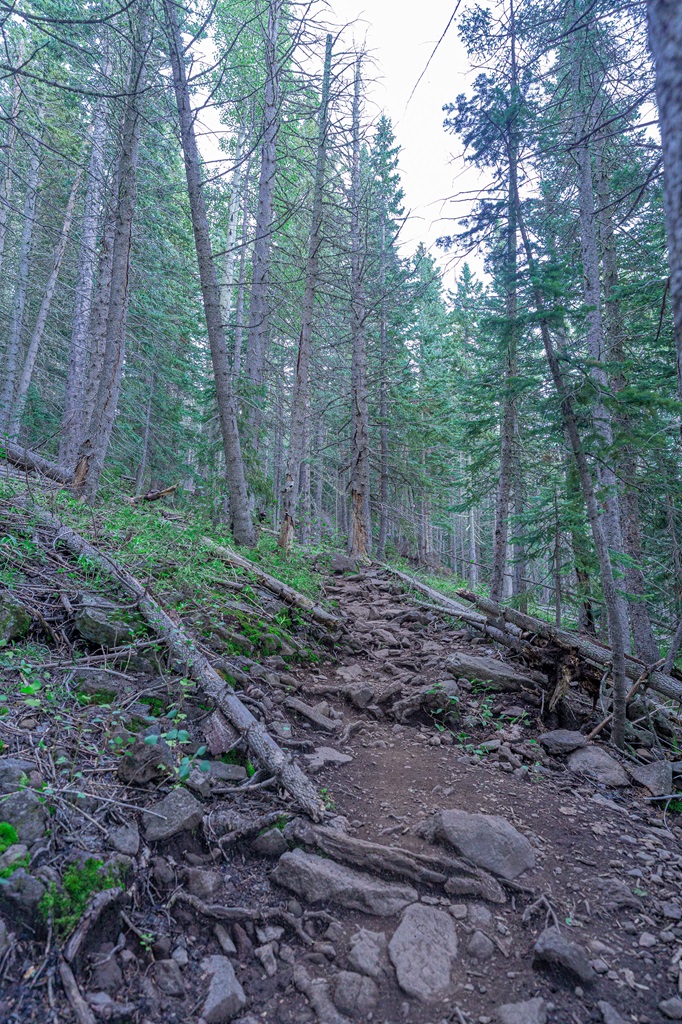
[(67, 905), (8, 836)]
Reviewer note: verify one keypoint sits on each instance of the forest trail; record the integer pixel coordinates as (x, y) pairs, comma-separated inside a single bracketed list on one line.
[(406, 913)]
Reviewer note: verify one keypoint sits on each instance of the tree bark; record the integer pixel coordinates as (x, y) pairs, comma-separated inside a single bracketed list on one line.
[(142, 468), (227, 284), (242, 524), (383, 403), (6, 188)]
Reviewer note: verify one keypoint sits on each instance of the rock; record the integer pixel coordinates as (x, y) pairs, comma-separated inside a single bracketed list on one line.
[(657, 777), (28, 815), (145, 762), (488, 841), (220, 735), (163, 873), (354, 994), (266, 955), (496, 674), (105, 624), (672, 910), (225, 997), (342, 563), (205, 885), (14, 773), (671, 1008), (479, 915), (369, 953), (125, 839), (4, 938), (168, 977), (423, 950), (15, 854), (181, 956), (361, 695), (555, 951), (322, 756), (220, 772), (647, 940), (480, 946), (107, 976), (532, 1011), (562, 741), (15, 620), (24, 890), (616, 894), (609, 1014), (223, 936), (598, 766), (180, 812), (318, 879), (270, 843)]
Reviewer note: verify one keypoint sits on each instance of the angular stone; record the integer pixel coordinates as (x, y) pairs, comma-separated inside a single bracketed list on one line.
[(342, 563), (657, 777), (14, 772), (223, 936), (225, 997), (486, 840), (671, 1008), (369, 953), (24, 890), (354, 994), (266, 955), (599, 766), (144, 762), (168, 977), (423, 950), (532, 1011), (270, 843), (318, 879), (322, 756), (672, 910), (104, 623), (480, 946), (15, 854), (125, 839), (555, 951), (28, 815), (107, 976), (15, 620), (4, 938), (220, 772), (562, 741), (205, 885), (609, 1014), (179, 811)]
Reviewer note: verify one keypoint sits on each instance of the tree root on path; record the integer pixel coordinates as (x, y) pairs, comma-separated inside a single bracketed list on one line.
[(316, 991)]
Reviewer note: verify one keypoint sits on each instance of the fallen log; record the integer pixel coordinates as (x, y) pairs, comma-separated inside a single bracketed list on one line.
[(153, 495), (444, 603), (263, 747), (275, 586), (25, 459)]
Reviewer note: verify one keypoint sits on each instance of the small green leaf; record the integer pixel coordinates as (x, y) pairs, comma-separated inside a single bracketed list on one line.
[(152, 740)]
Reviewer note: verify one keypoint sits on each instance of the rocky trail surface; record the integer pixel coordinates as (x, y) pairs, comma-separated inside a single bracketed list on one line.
[(478, 861)]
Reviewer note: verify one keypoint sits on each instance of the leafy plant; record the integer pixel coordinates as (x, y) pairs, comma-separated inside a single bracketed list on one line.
[(66, 906), (8, 836)]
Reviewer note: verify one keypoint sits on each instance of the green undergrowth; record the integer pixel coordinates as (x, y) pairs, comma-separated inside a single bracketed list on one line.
[(66, 905), (8, 836)]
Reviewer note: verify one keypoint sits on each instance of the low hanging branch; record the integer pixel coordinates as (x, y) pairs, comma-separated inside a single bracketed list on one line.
[(261, 745)]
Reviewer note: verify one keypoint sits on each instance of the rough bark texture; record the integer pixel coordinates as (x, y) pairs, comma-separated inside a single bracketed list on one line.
[(6, 187), (383, 405), (242, 525)]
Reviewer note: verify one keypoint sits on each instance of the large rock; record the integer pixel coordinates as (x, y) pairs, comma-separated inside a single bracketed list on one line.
[(4, 938), (177, 812), (562, 741), (354, 994), (423, 950), (14, 773), (125, 839), (225, 997), (599, 766), (168, 977), (369, 953), (532, 1011), (104, 623), (609, 1013), (671, 1008), (145, 762), (486, 840), (15, 620), (318, 880), (28, 815), (556, 952), (496, 675), (24, 890), (657, 777)]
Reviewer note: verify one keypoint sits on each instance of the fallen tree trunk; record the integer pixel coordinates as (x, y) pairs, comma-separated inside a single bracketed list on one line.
[(444, 603), (261, 745), (25, 459), (275, 586), (153, 495)]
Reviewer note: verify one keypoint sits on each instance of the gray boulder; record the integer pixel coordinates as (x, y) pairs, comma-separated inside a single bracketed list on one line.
[(480, 946), (24, 890), (144, 762), (104, 623), (354, 994), (28, 815), (4, 938), (497, 675), (270, 843), (203, 884), (556, 952), (609, 1014), (177, 812), (125, 839), (168, 977), (488, 841), (562, 741), (423, 950), (225, 997), (671, 1008), (532, 1011), (369, 953), (317, 879), (599, 766), (15, 620), (14, 773), (657, 777)]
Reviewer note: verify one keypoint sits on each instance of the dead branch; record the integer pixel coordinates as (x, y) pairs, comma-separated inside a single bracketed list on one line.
[(25, 459), (153, 495)]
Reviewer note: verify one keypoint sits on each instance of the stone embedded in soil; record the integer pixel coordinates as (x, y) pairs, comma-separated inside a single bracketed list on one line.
[(480, 946), (13, 773), (23, 890), (423, 950), (125, 839), (220, 772), (657, 777), (15, 620), (354, 994), (103, 623), (598, 766), (225, 997), (144, 762), (323, 756), (671, 1008), (616, 895), (168, 977), (532, 1011), (672, 910), (205, 885), (28, 815), (562, 741), (224, 941), (107, 976), (4, 938), (369, 953), (557, 952), (609, 1013), (266, 955), (318, 879), (488, 841), (270, 843), (179, 811)]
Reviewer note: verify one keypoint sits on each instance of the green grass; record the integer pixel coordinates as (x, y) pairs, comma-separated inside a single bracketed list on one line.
[(66, 906), (8, 836)]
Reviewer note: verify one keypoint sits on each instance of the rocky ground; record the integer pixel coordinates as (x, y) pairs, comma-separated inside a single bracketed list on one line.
[(479, 861)]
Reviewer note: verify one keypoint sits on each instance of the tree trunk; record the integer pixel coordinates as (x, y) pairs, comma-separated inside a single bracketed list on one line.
[(360, 531), (383, 405), (300, 405), (665, 40), (259, 313), (241, 286), (243, 530), (43, 313), (6, 188), (74, 404), (142, 468), (228, 282)]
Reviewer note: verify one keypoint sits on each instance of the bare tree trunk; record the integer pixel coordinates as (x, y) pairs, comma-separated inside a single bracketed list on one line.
[(473, 560), (319, 477), (383, 406), (6, 188), (43, 313), (142, 468), (241, 286), (95, 444), (360, 531), (300, 405), (259, 313), (665, 40), (12, 353), (227, 284), (74, 404), (243, 530)]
